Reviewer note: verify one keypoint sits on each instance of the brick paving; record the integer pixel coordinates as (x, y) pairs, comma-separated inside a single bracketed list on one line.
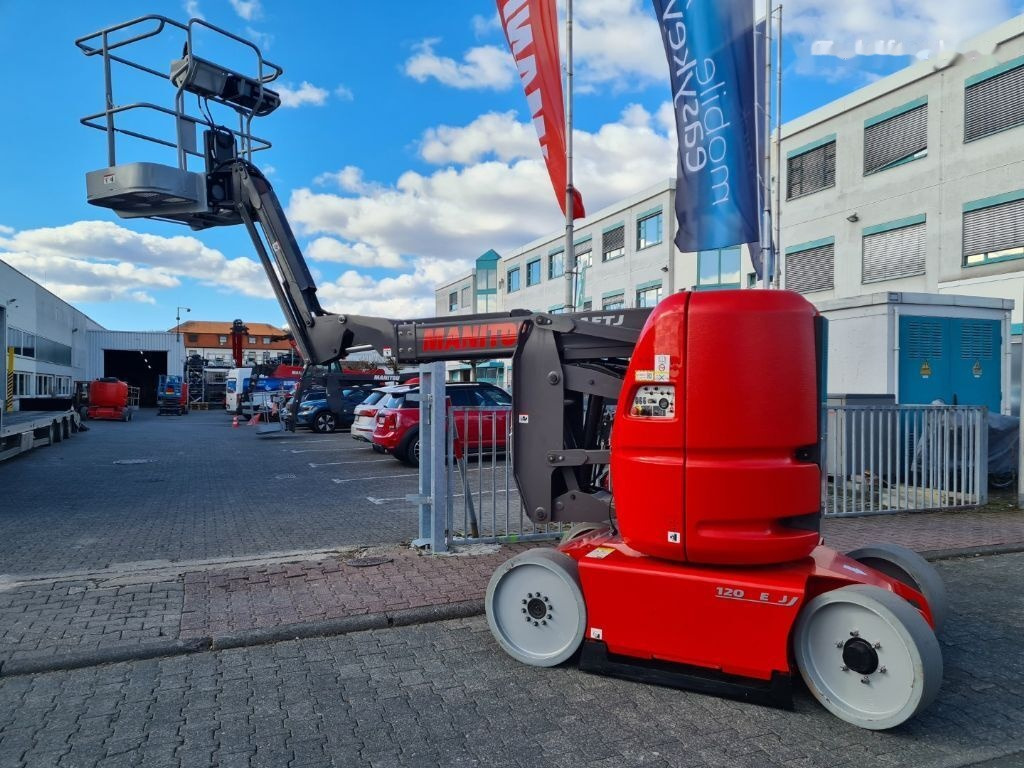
[(443, 695)]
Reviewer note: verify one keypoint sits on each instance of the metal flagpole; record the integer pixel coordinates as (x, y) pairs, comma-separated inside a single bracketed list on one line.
[(570, 252), (778, 149), (767, 254)]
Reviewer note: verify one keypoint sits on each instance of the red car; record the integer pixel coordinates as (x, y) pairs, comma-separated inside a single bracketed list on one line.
[(480, 411)]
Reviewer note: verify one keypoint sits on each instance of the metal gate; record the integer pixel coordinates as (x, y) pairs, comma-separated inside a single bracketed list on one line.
[(470, 494)]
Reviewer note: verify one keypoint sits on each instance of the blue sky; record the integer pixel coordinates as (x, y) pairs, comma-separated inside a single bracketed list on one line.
[(403, 151)]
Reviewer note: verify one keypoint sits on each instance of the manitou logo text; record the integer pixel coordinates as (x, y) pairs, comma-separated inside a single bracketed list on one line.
[(481, 336)]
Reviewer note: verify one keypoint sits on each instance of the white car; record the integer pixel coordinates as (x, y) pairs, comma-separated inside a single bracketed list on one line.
[(366, 415)]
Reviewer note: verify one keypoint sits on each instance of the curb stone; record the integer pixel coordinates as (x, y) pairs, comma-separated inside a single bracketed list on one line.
[(330, 627)]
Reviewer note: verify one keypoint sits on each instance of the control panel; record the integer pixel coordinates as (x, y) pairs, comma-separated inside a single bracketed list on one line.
[(657, 401)]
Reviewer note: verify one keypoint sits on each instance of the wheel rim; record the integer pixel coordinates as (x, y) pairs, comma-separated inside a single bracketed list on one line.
[(908, 567), (325, 422), (867, 656), (416, 450), (535, 607)]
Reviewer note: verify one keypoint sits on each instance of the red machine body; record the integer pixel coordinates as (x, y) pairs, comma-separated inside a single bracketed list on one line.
[(108, 399), (718, 411), (717, 494)]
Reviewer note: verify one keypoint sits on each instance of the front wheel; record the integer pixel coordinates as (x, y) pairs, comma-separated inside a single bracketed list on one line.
[(409, 450), (535, 607), (867, 656), (324, 422)]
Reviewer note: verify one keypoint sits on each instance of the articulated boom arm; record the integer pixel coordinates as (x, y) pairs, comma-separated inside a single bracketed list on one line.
[(566, 368)]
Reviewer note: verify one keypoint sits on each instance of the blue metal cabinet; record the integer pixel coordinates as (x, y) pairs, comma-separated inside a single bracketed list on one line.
[(956, 360)]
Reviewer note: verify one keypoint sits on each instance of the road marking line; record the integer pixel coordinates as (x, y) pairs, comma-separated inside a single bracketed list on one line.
[(375, 500), (368, 477), (336, 463)]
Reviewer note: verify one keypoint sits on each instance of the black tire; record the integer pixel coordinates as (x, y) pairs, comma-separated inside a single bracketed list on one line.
[(408, 451), (324, 422), (1002, 480)]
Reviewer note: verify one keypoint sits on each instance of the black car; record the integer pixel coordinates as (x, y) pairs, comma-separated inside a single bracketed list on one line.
[(314, 412)]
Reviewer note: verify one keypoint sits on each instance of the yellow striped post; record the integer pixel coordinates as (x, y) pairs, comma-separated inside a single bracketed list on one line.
[(9, 400)]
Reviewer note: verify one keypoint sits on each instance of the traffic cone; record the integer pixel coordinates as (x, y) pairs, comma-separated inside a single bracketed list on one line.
[(234, 422)]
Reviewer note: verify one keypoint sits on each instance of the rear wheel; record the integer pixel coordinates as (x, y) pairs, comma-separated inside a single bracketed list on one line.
[(867, 656), (535, 607), (908, 567), (409, 449), (324, 422), (582, 529)]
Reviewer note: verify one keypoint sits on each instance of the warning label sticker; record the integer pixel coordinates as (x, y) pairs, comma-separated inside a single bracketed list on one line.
[(600, 553), (645, 375)]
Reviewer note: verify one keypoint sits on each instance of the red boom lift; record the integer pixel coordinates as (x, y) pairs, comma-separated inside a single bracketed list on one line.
[(702, 566)]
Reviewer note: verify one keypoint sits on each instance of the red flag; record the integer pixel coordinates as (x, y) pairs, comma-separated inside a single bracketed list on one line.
[(531, 28)]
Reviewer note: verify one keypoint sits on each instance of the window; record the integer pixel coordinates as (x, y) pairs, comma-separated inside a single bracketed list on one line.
[(558, 309), (648, 231), (613, 243), (533, 272), (895, 249), (51, 351), (993, 101), (512, 281), (897, 139), (193, 352), (222, 339), (465, 297), (193, 338), (719, 268), (486, 279), (614, 301), (487, 302), (24, 343), (252, 339), (588, 306), (497, 397), (44, 385), (22, 384), (266, 339), (994, 232), (584, 255), (556, 264), (648, 295), (453, 301), (811, 170), (811, 266)]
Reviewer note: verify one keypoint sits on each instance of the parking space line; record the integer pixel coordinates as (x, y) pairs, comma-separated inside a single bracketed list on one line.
[(340, 480), (375, 500), (337, 463)]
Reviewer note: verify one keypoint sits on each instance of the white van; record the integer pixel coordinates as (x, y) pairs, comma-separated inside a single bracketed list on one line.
[(235, 385)]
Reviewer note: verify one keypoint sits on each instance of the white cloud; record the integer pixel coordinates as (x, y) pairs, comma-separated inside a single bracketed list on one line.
[(247, 9), (481, 67), (460, 212), (485, 25), (405, 296), (306, 93), (348, 179), (901, 26), (262, 39), (344, 93), (192, 9), (102, 261), (490, 135), (5, 230), (357, 254)]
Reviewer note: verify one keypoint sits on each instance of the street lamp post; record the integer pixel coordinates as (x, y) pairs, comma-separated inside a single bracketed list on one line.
[(177, 327)]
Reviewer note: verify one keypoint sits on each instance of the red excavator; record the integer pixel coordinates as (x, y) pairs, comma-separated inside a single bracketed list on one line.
[(702, 566)]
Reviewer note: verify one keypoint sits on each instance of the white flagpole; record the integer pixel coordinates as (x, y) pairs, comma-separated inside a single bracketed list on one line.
[(767, 254), (569, 257)]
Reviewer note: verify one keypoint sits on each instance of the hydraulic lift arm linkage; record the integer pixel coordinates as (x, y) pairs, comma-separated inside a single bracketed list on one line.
[(566, 367)]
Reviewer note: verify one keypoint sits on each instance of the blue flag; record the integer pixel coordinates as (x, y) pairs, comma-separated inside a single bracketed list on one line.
[(710, 49)]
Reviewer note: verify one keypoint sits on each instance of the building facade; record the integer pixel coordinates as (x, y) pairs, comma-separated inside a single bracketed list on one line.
[(211, 340), (46, 337), (913, 183)]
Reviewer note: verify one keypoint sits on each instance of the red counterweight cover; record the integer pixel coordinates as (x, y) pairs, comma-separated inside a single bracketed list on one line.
[(715, 477), (108, 394)]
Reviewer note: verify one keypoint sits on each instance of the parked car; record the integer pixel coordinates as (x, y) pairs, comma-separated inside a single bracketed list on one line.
[(315, 412), (397, 429), (365, 416)]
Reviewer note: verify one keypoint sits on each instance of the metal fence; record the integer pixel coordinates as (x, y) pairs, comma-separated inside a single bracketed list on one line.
[(471, 495), (895, 458), (878, 459)]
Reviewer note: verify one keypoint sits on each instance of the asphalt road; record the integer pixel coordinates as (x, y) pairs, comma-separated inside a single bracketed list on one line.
[(193, 488), (444, 695)]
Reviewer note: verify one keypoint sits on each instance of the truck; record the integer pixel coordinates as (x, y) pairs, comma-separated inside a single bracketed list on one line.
[(236, 383), (701, 565)]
